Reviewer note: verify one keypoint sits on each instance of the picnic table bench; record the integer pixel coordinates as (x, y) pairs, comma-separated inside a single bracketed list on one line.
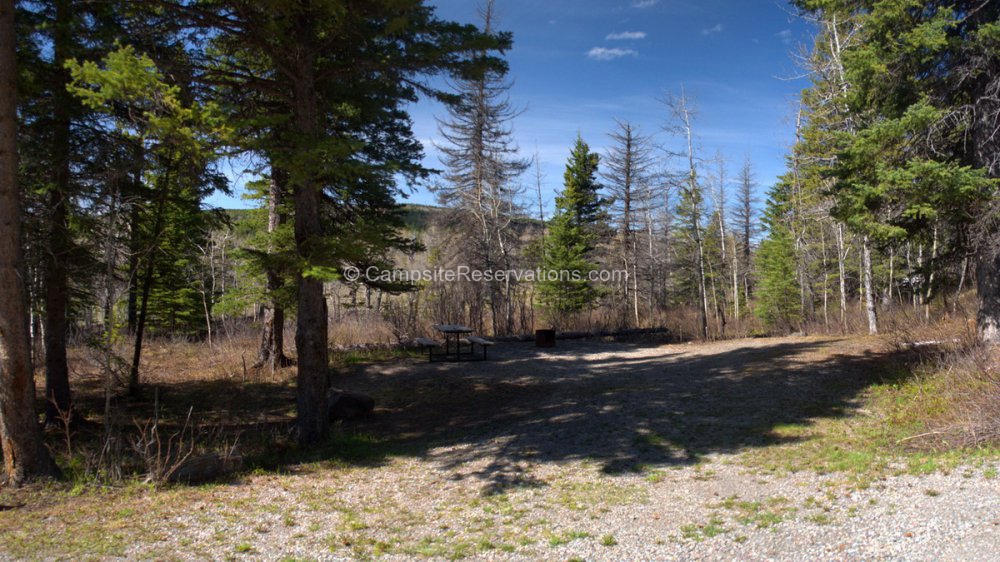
[(456, 332), (428, 344), (481, 342)]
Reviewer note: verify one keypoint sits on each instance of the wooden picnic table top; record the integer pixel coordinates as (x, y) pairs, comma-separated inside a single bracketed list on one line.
[(452, 328)]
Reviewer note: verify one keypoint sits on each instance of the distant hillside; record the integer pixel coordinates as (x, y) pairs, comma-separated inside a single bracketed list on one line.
[(416, 217)]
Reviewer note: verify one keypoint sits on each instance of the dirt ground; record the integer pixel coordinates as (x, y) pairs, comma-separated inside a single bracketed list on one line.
[(590, 450)]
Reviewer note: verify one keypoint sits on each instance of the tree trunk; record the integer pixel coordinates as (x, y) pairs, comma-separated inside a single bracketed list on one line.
[(702, 289), (929, 292), (272, 337), (57, 390), (826, 280), (311, 324), (988, 289), (147, 283), (866, 264), (842, 276), (24, 454)]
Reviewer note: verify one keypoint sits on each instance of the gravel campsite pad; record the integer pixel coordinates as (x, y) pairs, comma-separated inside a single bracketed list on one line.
[(590, 450)]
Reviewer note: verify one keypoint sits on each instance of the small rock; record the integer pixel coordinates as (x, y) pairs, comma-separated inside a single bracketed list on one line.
[(345, 404)]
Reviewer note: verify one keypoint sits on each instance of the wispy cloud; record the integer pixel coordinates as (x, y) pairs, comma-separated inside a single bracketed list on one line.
[(644, 3), (717, 28), (626, 35), (785, 35), (602, 53)]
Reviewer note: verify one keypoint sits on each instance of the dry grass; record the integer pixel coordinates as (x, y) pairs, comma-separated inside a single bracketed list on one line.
[(957, 397), (362, 327)]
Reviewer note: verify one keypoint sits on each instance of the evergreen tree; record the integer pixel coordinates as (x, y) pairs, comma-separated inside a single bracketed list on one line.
[(911, 157), (24, 452), (567, 257), (178, 140), (65, 155), (777, 291), (334, 77)]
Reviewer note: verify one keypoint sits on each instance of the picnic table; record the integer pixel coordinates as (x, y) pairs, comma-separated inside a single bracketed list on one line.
[(455, 331)]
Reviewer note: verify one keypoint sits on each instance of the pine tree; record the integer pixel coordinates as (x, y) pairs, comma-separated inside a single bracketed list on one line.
[(568, 247), (334, 77), (64, 150), (24, 453), (778, 304), (910, 151), (178, 138)]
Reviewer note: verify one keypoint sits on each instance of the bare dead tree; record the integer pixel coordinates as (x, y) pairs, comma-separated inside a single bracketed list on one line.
[(627, 167), (682, 124), (480, 154), (743, 216)]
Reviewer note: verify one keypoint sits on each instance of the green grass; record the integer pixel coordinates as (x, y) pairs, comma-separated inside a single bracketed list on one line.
[(608, 540), (597, 494), (699, 532), (876, 443), (821, 518), (761, 514), (566, 537)]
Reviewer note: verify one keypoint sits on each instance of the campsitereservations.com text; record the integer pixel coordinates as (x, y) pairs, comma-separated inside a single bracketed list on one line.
[(466, 273)]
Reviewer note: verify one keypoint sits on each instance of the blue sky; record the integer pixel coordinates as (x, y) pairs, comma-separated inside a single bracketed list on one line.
[(577, 65)]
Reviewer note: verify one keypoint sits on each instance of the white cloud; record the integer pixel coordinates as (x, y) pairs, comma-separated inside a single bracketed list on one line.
[(644, 3), (601, 53), (717, 28), (626, 35), (785, 35)]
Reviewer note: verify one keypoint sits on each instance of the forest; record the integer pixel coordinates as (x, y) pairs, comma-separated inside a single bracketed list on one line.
[(120, 120)]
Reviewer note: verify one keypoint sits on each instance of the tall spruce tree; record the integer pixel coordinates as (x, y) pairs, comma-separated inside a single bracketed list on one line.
[(65, 153), (778, 306), (336, 76), (914, 151), (579, 218), (24, 454), (177, 139)]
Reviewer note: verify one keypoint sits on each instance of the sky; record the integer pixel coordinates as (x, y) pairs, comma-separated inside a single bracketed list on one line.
[(578, 65)]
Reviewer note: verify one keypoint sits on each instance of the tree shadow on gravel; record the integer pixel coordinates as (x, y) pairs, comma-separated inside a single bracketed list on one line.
[(608, 404), (626, 407)]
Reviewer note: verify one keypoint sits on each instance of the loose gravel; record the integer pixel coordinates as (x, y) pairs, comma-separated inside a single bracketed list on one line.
[(593, 451)]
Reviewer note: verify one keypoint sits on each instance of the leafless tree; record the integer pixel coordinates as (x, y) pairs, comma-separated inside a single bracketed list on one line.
[(744, 222), (682, 124), (482, 181), (627, 168)]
